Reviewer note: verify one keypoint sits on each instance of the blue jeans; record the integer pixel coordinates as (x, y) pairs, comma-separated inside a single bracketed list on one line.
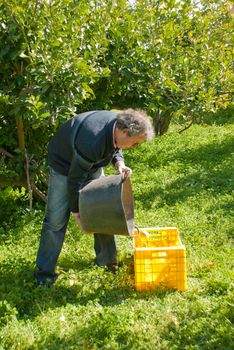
[(54, 229)]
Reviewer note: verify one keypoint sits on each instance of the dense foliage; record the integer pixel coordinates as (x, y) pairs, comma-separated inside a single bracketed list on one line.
[(183, 180), (173, 58)]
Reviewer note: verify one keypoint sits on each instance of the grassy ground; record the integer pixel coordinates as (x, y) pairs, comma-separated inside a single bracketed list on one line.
[(183, 180)]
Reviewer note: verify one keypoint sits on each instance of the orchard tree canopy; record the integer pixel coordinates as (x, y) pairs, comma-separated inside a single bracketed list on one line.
[(172, 58)]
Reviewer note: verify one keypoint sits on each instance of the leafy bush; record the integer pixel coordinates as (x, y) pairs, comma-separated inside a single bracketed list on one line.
[(172, 58), (12, 203)]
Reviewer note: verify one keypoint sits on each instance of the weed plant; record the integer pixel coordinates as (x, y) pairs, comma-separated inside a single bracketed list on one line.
[(183, 180)]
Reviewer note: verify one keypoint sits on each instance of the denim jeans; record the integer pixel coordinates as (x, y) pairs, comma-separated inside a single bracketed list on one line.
[(54, 229)]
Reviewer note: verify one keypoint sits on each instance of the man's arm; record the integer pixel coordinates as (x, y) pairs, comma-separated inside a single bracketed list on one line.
[(77, 175), (118, 162), (77, 219), (122, 168)]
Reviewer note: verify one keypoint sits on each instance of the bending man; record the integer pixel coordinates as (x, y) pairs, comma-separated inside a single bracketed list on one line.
[(77, 153)]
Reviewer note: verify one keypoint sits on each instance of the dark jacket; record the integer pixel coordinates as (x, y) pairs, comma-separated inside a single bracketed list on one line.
[(81, 146)]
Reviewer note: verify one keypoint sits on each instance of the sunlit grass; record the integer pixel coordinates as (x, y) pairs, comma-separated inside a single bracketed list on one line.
[(183, 180)]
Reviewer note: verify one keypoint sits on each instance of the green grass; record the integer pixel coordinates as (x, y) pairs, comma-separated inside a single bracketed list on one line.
[(183, 180)]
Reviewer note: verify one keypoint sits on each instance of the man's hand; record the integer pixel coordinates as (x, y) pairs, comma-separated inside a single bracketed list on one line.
[(77, 219), (122, 168)]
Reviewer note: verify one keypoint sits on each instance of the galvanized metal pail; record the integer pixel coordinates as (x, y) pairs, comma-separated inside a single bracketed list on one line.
[(106, 206)]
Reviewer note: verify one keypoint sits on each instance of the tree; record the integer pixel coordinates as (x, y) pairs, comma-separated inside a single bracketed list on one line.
[(47, 66), (172, 58)]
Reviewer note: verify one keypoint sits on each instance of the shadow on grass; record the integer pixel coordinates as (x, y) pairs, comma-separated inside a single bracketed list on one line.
[(73, 263), (19, 290), (97, 334), (190, 328), (14, 228), (222, 117)]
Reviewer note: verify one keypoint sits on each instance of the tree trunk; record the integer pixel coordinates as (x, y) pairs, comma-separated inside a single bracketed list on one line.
[(161, 123), (20, 131)]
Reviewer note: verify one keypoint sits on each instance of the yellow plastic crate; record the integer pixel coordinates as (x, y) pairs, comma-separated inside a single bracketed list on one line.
[(159, 259)]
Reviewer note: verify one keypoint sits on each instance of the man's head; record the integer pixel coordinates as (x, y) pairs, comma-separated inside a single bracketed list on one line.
[(133, 126)]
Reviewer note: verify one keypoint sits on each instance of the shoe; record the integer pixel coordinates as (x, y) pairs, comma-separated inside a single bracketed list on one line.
[(44, 278), (114, 267)]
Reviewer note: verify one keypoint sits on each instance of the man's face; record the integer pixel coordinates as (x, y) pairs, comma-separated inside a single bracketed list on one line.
[(130, 141)]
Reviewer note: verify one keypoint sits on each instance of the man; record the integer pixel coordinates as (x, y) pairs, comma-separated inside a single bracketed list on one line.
[(77, 153)]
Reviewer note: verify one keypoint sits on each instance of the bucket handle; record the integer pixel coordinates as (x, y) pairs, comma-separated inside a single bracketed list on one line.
[(138, 231), (126, 174)]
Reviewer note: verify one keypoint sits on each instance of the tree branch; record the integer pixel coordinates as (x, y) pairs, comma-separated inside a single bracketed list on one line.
[(6, 153), (186, 127), (38, 193), (23, 182), (27, 161)]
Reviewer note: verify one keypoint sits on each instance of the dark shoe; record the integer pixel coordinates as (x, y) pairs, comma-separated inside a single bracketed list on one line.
[(110, 267), (44, 278), (114, 267)]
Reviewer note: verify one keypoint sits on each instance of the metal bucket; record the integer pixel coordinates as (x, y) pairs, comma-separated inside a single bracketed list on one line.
[(106, 206)]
